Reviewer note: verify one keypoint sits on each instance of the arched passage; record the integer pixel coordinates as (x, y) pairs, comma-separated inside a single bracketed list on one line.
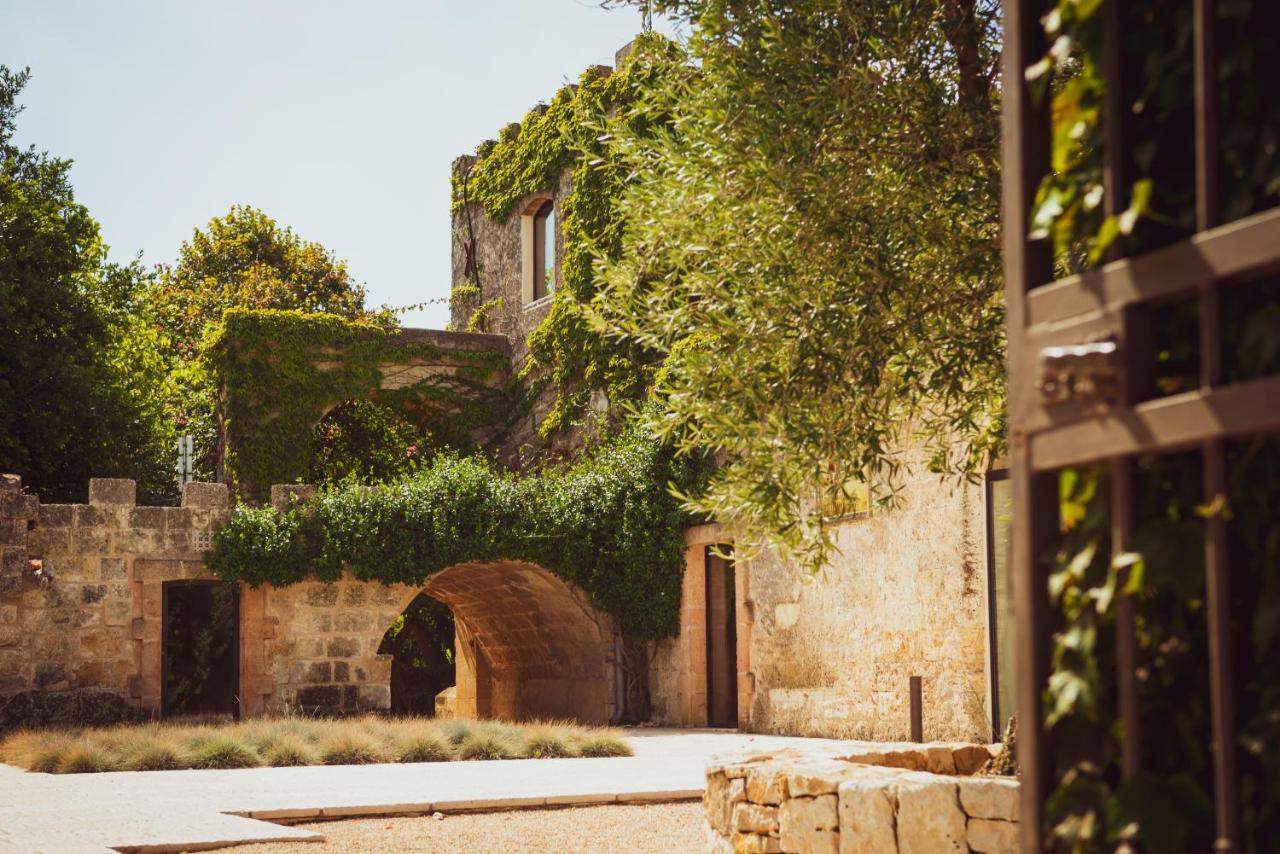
[(529, 644)]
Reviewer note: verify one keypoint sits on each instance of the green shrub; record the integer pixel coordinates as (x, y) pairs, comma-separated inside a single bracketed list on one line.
[(457, 731)]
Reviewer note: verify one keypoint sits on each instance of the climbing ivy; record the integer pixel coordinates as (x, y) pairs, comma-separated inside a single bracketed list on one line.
[(279, 372), (608, 523), (566, 352)]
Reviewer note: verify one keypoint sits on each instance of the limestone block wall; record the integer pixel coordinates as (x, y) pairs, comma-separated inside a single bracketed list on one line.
[(832, 654), (80, 590), (854, 803)]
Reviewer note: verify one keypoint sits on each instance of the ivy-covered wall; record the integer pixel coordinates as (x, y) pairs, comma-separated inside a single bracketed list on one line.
[(279, 372)]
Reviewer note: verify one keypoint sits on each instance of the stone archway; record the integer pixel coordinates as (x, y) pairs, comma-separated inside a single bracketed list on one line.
[(529, 644)]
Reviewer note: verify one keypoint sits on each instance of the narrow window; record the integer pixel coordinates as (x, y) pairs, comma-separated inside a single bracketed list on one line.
[(544, 250)]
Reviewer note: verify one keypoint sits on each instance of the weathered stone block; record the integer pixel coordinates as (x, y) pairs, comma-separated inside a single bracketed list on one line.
[(50, 675), (766, 786), (321, 621), (8, 615), (343, 647), (992, 837), (754, 818), (929, 817), (110, 490), (146, 517), (113, 569), (10, 635), (322, 595), (311, 671), (990, 797), (341, 671), (970, 758), (867, 817), (755, 843), (285, 495), (374, 697), (206, 496), (177, 518), (354, 594), (352, 621), (55, 516), (320, 698), (939, 760), (805, 824), (92, 593), (10, 483)]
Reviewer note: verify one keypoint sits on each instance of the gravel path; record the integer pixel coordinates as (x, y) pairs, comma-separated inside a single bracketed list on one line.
[(628, 829)]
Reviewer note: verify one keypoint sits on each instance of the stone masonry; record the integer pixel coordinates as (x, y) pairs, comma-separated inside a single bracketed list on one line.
[(865, 799)]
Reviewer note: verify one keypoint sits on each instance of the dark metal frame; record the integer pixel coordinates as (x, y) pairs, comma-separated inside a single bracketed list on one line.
[(164, 641), (993, 612), (1043, 313)]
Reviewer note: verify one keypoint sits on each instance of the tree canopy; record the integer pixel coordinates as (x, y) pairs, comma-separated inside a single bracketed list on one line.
[(811, 244), (77, 368)]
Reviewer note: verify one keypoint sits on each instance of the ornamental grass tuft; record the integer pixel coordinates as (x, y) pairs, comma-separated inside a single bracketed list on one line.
[(291, 741)]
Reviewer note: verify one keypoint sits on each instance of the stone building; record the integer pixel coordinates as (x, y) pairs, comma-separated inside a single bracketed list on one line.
[(87, 591)]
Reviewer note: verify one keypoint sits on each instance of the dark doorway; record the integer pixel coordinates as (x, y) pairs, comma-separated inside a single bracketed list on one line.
[(420, 643), (201, 650), (722, 639)]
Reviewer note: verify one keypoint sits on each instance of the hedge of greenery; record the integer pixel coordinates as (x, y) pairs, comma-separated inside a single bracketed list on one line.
[(608, 522)]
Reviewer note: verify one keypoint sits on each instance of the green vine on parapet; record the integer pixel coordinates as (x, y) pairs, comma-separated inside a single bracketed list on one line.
[(566, 353), (608, 523), (279, 372)]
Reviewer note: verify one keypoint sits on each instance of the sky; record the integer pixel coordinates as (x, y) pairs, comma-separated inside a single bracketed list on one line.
[(340, 119)]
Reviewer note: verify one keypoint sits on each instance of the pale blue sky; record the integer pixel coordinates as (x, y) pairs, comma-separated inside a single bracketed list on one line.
[(337, 118)]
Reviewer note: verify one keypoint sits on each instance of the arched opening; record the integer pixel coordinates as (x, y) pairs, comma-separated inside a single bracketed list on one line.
[(367, 440), (421, 645), (529, 645)]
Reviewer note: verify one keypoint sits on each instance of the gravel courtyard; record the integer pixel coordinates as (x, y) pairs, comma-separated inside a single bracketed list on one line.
[(617, 829)]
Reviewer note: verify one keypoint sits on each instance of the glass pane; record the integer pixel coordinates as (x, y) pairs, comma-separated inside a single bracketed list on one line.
[(549, 251)]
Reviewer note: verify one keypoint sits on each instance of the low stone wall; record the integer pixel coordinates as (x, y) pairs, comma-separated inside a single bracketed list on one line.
[(928, 801)]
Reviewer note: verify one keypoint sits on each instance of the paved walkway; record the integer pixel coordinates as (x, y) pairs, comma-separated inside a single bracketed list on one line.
[(186, 810)]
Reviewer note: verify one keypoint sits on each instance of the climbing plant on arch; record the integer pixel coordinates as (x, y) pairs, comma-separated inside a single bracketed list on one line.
[(279, 372)]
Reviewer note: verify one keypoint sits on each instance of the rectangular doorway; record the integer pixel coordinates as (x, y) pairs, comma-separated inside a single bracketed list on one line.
[(200, 653), (722, 638)]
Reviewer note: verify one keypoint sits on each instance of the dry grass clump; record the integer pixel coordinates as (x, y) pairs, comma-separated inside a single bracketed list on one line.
[(352, 748), (290, 741)]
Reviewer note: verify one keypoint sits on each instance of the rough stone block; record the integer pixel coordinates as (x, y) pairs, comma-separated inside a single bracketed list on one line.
[(285, 495), (341, 671), (929, 817), (755, 843), (50, 676), (322, 595), (111, 490), (716, 801), (206, 496), (320, 698), (766, 786), (146, 517), (754, 818), (970, 758), (10, 636), (990, 797), (113, 569), (992, 837), (373, 696), (867, 817), (343, 647), (939, 760), (91, 594), (8, 615), (352, 621), (806, 824), (10, 483), (55, 516)]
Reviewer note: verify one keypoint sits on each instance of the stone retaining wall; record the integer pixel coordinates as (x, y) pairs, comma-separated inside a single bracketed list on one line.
[(846, 802)]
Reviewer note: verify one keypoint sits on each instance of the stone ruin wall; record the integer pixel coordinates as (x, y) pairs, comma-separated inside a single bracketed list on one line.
[(97, 623), (831, 654)]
